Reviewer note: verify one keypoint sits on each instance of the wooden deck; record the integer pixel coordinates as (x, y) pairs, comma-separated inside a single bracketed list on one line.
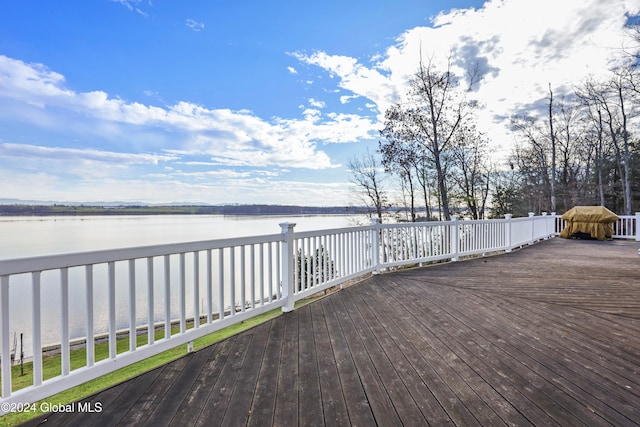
[(547, 335)]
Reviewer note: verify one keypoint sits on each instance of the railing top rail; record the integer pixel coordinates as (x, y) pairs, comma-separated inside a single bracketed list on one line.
[(74, 259), (527, 219), (479, 221), (441, 223), (316, 233), (415, 224)]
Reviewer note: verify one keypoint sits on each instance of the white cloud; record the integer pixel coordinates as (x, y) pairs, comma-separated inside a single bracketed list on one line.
[(36, 93), (354, 77), (316, 103), (169, 188), (292, 70), (345, 99), (218, 174), (74, 154), (520, 47), (194, 25), (78, 165), (133, 5)]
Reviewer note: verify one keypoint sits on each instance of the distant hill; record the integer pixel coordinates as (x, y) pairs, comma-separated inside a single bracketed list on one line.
[(97, 204), (48, 209)]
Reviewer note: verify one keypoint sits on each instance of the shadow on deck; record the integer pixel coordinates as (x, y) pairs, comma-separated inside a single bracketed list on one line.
[(546, 335)]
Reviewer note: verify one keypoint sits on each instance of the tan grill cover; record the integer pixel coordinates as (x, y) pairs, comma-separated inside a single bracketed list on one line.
[(593, 220)]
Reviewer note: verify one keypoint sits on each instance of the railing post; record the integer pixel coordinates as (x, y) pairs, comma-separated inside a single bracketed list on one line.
[(288, 262), (637, 224), (111, 309), (454, 237), (375, 245), (507, 231), (553, 223), (5, 368), (544, 219), (533, 226), (36, 324)]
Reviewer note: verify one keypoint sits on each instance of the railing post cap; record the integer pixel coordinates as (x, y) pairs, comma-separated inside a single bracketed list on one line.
[(287, 226), (375, 220), (454, 217), (531, 214), (508, 216), (544, 213)]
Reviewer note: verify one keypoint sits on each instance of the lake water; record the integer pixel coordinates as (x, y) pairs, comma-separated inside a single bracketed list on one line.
[(31, 236), (34, 236)]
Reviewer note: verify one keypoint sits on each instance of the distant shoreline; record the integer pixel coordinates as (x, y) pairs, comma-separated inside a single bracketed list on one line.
[(77, 210)]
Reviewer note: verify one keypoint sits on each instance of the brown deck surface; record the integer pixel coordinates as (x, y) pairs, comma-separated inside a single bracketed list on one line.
[(547, 335)]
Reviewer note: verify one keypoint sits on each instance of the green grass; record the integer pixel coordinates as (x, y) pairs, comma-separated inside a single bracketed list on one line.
[(51, 366)]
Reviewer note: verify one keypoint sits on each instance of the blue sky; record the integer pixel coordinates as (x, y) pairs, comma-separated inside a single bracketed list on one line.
[(257, 102)]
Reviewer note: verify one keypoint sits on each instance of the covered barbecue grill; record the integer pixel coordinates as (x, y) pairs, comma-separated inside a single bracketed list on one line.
[(589, 222)]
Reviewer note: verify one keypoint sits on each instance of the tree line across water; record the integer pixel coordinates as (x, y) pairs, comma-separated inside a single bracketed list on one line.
[(61, 209)]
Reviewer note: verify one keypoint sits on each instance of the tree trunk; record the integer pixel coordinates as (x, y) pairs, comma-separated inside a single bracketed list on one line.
[(553, 152), (442, 188)]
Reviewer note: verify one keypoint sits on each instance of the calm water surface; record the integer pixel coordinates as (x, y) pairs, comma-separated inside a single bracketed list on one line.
[(30, 236)]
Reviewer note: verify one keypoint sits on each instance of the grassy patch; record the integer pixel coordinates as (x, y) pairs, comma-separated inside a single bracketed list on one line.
[(51, 366)]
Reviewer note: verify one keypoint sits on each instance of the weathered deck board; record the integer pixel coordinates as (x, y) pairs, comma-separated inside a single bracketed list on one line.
[(548, 335), (358, 407), (333, 401), (263, 400)]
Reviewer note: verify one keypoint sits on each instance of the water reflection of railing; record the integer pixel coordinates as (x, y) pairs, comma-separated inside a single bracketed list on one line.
[(201, 287)]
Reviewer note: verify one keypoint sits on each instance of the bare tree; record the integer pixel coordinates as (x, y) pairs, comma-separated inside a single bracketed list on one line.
[(506, 193), (623, 90), (401, 159), (532, 160), (426, 180), (434, 110), (368, 177), (472, 170), (574, 153), (584, 151), (617, 105), (539, 153), (590, 96)]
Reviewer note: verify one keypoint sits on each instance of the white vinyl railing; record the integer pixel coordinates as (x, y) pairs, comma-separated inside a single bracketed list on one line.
[(626, 227), (211, 284), (185, 291)]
